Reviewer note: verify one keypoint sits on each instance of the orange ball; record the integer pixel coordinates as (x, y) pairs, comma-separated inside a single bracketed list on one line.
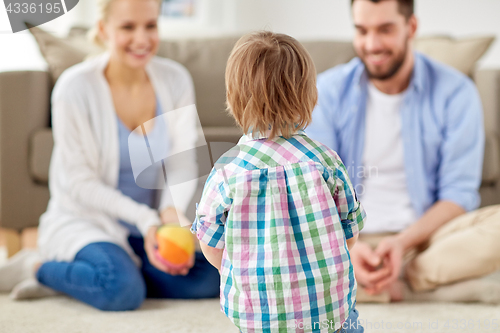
[(175, 245)]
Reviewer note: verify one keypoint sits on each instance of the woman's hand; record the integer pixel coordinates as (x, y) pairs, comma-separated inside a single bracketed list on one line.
[(150, 245), (170, 215)]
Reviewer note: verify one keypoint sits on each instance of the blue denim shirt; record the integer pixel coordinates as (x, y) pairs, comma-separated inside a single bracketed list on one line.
[(442, 129)]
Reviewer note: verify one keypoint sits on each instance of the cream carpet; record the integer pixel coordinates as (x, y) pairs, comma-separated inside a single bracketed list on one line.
[(64, 315)]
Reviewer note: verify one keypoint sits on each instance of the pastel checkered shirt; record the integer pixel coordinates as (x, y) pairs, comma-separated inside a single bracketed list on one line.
[(282, 209)]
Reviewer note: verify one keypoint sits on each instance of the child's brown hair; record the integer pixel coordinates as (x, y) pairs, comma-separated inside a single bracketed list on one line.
[(270, 84)]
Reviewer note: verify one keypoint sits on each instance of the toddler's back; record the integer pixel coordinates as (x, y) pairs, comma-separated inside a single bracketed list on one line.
[(283, 209)]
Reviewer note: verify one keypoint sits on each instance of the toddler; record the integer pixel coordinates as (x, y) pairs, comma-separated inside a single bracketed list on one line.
[(278, 211)]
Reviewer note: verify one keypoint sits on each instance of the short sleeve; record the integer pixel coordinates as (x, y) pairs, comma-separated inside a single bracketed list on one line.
[(211, 212), (351, 212)]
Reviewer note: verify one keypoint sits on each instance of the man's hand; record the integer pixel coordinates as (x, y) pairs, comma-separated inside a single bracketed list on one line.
[(391, 250), (366, 265), (150, 245)]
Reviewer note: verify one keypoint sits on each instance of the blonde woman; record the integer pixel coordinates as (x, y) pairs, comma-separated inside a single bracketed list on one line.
[(99, 223)]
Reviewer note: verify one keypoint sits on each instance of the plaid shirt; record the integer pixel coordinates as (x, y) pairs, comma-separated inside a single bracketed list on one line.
[(282, 210)]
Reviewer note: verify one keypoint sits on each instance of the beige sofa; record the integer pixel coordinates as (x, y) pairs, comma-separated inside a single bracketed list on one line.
[(26, 140)]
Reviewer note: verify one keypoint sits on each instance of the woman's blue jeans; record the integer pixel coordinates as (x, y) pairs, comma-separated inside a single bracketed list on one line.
[(104, 276)]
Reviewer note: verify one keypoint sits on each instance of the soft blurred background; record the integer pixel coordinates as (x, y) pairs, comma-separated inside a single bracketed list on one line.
[(305, 20)]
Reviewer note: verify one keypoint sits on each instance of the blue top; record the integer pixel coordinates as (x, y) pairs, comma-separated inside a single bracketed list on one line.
[(127, 183), (442, 129)]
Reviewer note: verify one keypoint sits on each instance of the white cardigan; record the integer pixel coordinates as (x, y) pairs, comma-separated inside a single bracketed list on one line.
[(85, 205)]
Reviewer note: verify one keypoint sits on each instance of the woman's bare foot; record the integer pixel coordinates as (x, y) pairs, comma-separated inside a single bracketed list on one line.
[(36, 267)]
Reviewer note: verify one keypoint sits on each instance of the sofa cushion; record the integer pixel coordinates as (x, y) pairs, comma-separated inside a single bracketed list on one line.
[(327, 54), (461, 54), (41, 144), (40, 151), (206, 61), (62, 53), (204, 58)]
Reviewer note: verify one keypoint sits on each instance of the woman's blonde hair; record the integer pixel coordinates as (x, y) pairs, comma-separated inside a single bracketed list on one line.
[(270, 84), (104, 8)]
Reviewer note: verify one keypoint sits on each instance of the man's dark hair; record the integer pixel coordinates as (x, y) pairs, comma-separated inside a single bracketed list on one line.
[(405, 7)]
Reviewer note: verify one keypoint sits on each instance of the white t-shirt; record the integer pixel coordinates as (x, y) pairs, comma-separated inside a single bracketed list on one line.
[(384, 194)]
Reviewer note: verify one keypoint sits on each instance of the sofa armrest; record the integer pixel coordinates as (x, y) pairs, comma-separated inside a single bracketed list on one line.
[(24, 108), (488, 84)]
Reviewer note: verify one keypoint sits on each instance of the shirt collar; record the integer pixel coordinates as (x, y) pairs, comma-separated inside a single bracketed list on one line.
[(258, 136), (417, 79)]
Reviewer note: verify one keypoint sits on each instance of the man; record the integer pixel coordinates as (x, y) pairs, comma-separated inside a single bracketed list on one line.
[(410, 132)]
